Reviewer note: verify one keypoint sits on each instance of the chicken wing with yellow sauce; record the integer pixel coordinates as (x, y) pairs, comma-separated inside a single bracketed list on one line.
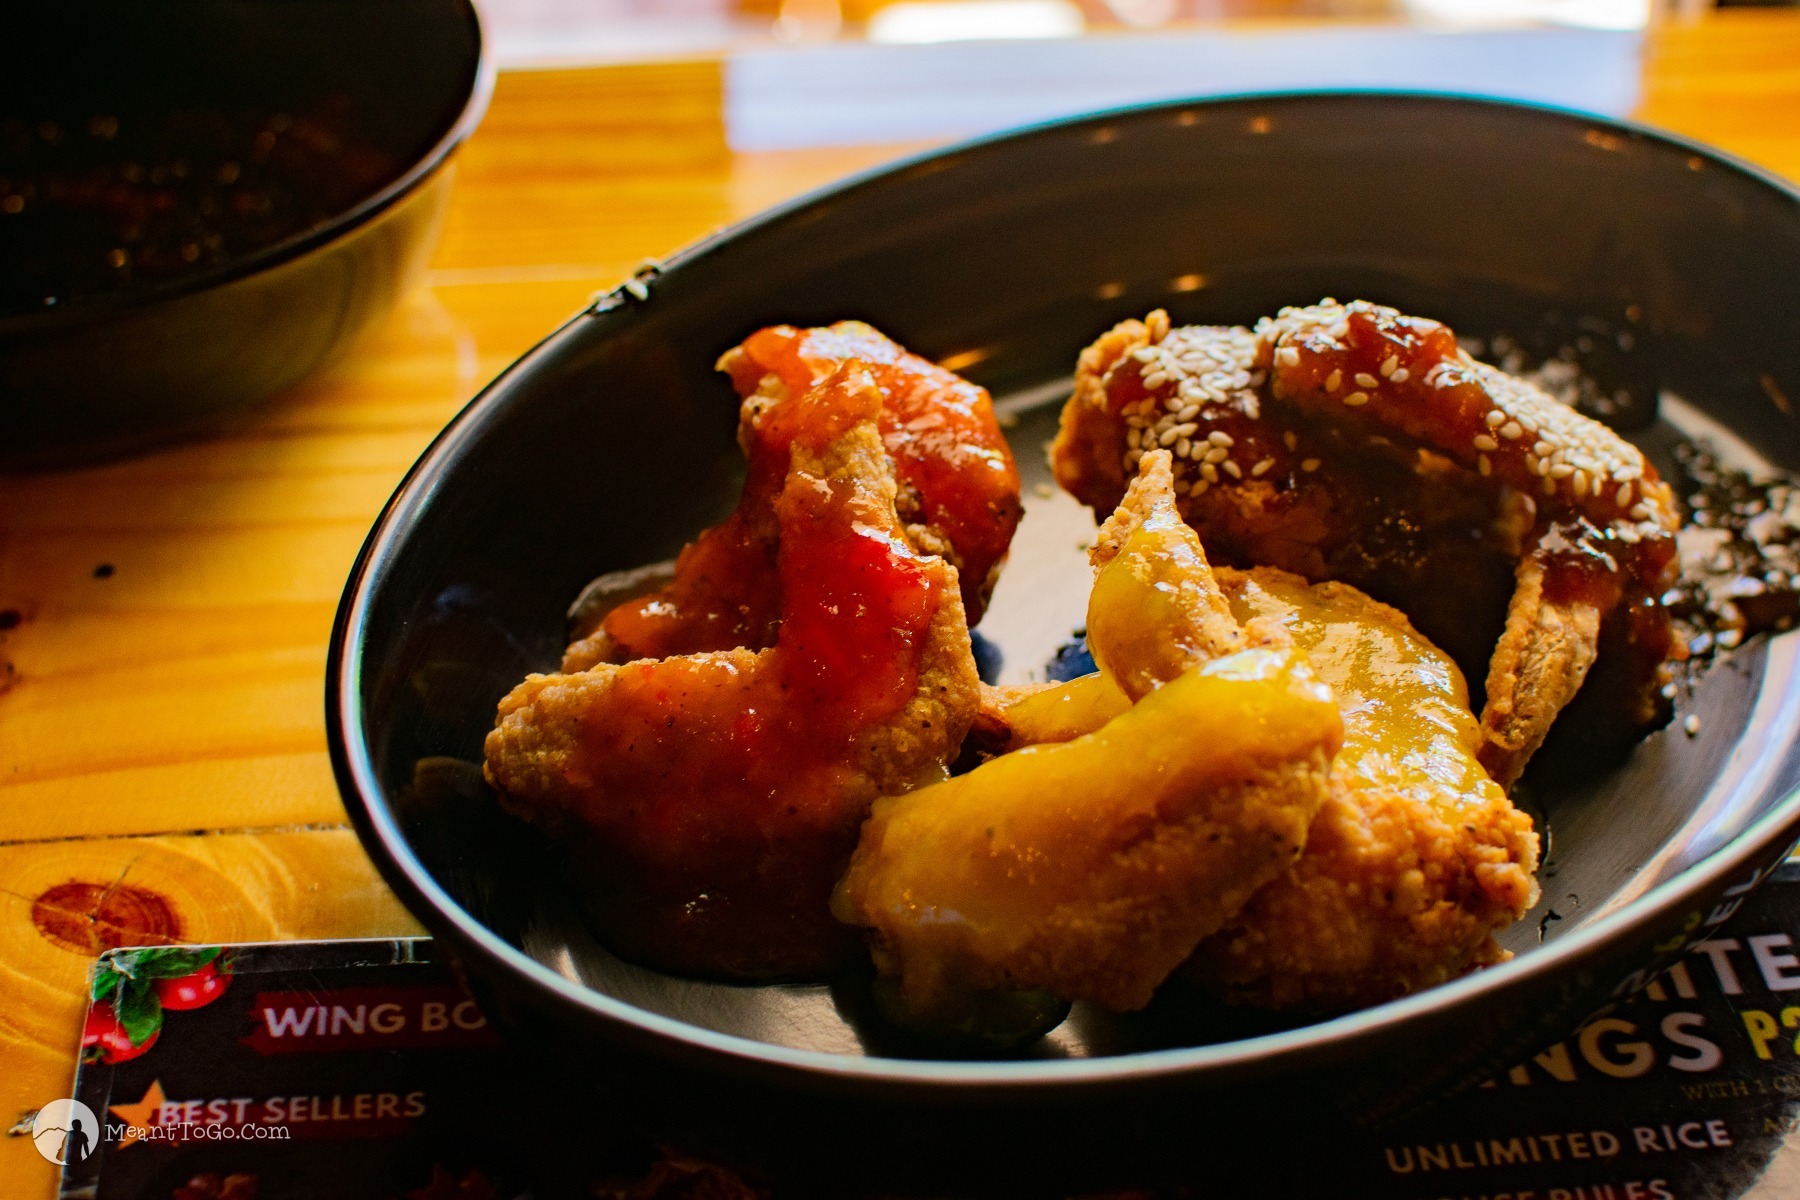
[(1091, 868), (1417, 856)]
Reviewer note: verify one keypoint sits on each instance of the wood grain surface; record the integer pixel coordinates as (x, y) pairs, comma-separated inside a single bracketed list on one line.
[(163, 621)]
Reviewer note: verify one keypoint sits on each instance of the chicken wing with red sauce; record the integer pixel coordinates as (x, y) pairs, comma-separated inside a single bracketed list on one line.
[(713, 798), (957, 496)]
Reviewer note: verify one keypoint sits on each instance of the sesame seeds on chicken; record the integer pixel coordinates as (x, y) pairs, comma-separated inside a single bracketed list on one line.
[(1353, 442)]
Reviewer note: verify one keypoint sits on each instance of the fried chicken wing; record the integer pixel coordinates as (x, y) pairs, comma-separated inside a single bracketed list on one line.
[(1091, 868), (1416, 858), (957, 495), (714, 797), (1351, 442)]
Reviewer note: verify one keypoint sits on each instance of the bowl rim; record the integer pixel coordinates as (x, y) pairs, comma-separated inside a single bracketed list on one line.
[(275, 254), (1725, 867)]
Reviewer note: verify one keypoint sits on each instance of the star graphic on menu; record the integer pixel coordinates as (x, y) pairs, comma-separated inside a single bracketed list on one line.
[(137, 1116)]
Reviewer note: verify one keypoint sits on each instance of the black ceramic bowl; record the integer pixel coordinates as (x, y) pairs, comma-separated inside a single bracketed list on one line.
[(121, 359), (610, 444)]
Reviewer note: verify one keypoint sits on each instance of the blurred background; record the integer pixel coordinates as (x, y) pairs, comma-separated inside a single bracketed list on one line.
[(547, 31), (806, 74)]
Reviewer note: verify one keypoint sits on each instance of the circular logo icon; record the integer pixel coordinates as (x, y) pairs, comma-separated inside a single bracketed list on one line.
[(65, 1132)]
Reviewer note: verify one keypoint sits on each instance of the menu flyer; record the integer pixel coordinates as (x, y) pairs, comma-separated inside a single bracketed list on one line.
[(353, 1070)]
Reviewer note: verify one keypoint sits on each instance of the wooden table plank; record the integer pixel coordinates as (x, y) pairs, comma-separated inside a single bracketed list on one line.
[(1731, 80)]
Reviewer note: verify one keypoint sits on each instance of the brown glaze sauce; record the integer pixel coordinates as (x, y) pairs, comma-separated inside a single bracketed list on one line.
[(1394, 462)]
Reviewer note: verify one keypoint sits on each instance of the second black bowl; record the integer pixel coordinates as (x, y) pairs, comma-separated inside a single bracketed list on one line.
[(121, 362)]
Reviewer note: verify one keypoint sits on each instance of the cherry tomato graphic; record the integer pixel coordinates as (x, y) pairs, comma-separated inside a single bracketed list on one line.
[(107, 1038), (192, 991)]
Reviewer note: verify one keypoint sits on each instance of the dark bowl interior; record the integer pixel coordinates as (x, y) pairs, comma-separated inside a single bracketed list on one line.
[(611, 444), (103, 371)]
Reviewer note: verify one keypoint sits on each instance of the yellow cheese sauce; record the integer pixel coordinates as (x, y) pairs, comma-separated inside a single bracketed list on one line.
[(1406, 713), (1066, 711)]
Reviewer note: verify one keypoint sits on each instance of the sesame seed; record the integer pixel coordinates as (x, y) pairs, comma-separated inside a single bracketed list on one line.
[(1287, 356), (1496, 419), (1388, 365), (1560, 470), (1356, 399), (1484, 465), (1232, 469), (1691, 725), (1186, 428), (1309, 464), (1543, 449), (1549, 486), (1333, 380), (1512, 431), (1182, 447), (1154, 380), (1623, 497), (1217, 454), (1580, 483), (1639, 512), (1188, 413), (1219, 437), (1400, 375), (1200, 485), (1289, 440), (1484, 442), (1168, 437), (1262, 467), (1366, 380), (1209, 472)]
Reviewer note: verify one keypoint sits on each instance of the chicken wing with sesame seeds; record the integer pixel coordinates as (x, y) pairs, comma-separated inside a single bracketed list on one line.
[(957, 495), (1351, 442), (712, 799), (1091, 868)]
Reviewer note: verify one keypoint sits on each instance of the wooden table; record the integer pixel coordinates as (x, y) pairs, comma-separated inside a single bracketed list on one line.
[(163, 621)]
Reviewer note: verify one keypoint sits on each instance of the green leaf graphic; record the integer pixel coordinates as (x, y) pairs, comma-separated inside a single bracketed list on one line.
[(139, 1011)]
